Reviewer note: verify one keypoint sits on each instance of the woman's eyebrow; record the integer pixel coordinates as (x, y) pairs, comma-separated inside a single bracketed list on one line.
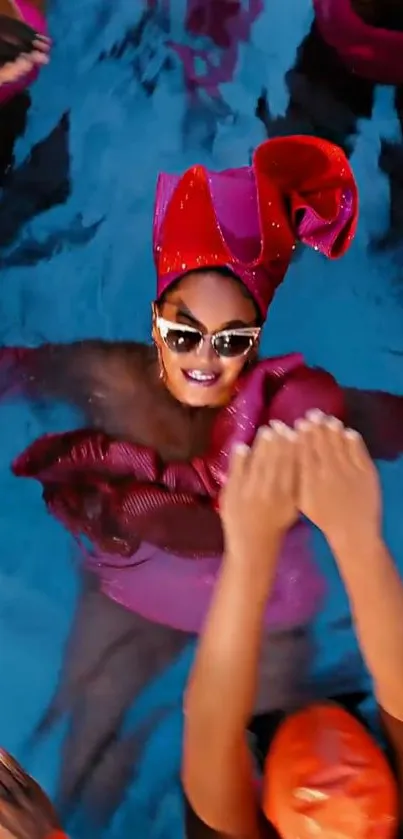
[(238, 324), (182, 311)]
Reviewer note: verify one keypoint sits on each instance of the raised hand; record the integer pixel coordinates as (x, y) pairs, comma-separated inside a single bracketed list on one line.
[(339, 487), (22, 50), (258, 502)]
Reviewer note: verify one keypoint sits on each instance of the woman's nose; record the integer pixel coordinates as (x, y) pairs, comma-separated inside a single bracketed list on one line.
[(205, 349)]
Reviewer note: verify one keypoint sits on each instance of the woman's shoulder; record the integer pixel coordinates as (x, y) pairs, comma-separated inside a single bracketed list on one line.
[(296, 388)]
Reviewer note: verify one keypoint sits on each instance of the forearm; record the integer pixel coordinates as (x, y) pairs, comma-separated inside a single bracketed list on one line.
[(375, 591), (217, 767), (223, 681)]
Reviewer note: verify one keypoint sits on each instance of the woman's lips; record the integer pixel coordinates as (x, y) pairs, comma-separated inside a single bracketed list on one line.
[(201, 377)]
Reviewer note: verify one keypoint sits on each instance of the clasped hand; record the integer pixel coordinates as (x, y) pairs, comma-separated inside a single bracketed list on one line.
[(319, 469)]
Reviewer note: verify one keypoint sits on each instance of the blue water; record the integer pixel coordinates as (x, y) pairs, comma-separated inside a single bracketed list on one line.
[(83, 268)]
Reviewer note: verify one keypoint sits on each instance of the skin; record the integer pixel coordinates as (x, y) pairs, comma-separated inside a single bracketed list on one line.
[(322, 470), (22, 66), (210, 302), (25, 810)]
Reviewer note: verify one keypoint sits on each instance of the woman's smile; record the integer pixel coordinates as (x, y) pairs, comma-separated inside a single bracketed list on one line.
[(201, 378)]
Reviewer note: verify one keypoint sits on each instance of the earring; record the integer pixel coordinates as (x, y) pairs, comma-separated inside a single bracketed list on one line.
[(162, 371)]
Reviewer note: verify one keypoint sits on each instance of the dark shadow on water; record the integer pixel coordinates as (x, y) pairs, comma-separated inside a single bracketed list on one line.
[(328, 101)]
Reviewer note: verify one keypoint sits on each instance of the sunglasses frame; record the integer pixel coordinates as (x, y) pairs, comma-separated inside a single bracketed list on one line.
[(164, 326)]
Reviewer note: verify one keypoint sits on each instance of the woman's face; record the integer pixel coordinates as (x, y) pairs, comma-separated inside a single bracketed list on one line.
[(209, 302)]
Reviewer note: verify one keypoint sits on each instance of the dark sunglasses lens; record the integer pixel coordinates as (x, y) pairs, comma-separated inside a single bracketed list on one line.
[(232, 345), (182, 341)]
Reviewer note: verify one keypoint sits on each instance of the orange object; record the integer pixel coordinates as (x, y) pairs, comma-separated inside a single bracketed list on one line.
[(326, 778)]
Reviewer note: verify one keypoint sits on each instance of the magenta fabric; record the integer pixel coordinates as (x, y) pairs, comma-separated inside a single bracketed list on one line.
[(369, 52), (177, 591), (150, 548)]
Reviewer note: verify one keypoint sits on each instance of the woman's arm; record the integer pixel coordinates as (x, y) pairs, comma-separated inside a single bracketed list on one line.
[(217, 766), (375, 592), (340, 493), (107, 381), (257, 507)]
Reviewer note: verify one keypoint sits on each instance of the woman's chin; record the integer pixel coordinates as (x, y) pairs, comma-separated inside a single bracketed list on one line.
[(199, 394)]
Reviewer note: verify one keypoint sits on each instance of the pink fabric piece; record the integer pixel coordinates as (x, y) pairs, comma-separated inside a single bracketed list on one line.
[(33, 18), (177, 591), (370, 52)]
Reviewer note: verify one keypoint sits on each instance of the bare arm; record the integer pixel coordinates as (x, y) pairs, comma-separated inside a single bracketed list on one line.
[(115, 385), (340, 493), (375, 591), (217, 766), (257, 507), (98, 377), (57, 371)]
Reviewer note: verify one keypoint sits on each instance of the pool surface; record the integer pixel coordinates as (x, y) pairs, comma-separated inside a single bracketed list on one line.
[(134, 88)]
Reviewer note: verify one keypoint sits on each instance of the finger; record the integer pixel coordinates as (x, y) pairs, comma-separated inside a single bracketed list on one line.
[(45, 38), (262, 457), (37, 57), (41, 42), (24, 64), (357, 450), (285, 457), (307, 458), (15, 68), (327, 439), (8, 75)]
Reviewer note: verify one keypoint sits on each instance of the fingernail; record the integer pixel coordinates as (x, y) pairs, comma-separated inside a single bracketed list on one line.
[(277, 426), (266, 432), (333, 423), (315, 415), (283, 429), (352, 434), (301, 425), (240, 448)]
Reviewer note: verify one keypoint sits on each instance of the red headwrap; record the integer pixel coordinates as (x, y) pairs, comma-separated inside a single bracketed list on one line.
[(248, 219)]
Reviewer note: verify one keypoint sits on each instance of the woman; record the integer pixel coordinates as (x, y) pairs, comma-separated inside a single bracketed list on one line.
[(25, 810), (324, 775), (168, 414), (141, 486)]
